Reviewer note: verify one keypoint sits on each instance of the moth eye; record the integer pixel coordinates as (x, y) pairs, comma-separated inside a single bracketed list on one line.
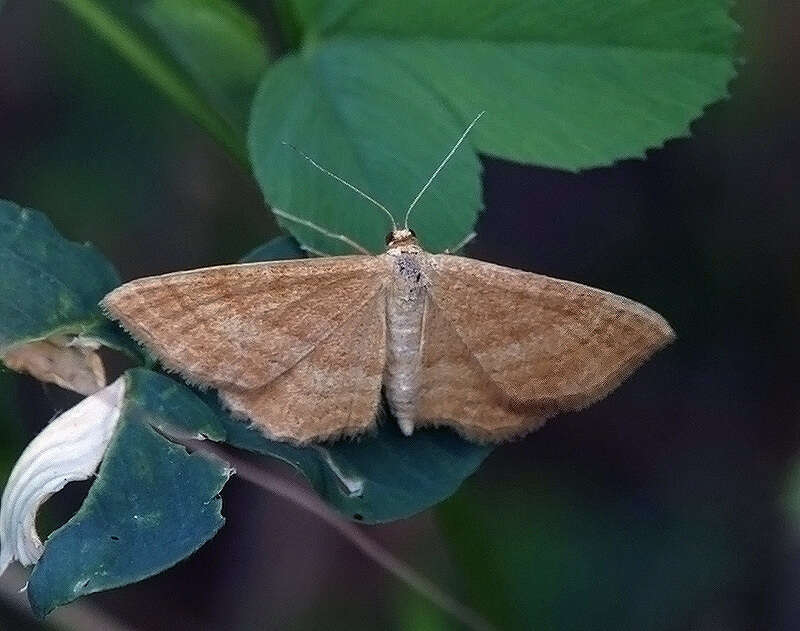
[(389, 238), (413, 234)]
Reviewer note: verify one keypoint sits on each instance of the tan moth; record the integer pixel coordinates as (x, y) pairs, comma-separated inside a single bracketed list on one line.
[(304, 347)]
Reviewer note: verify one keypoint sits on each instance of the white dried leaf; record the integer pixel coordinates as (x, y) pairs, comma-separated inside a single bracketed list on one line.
[(65, 360), (68, 449)]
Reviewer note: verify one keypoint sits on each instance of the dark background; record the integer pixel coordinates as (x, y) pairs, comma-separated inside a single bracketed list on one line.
[(666, 506)]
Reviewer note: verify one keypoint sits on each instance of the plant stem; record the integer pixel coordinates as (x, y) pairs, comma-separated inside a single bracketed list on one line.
[(148, 63), (370, 548), (288, 23)]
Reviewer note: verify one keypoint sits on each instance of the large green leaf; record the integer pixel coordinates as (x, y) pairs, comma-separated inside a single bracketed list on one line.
[(568, 84), (385, 137), (378, 90), (151, 505), (205, 55), (49, 285), (218, 45)]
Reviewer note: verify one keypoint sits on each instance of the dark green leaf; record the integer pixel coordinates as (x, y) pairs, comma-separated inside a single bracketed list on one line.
[(379, 90), (151, 505), (49, 285), (278, 249), (170, 407), (381, 477), (218, 45)]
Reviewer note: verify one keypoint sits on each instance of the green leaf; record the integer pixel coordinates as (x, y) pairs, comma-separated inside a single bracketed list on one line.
[(49, 286), (151, 505), (218, 45), (278, 249), (568, 84), (206, 57), (381, 477), (379, 90), (384, 137)]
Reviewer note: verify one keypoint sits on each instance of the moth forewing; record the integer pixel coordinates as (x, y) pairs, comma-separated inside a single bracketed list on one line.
[(514, 348), (239, 328), (332, 391)]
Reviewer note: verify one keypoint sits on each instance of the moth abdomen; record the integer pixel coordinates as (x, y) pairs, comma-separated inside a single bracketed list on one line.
[(405, 301)]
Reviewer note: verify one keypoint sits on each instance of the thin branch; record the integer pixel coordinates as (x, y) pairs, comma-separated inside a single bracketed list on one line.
[(370, 548)]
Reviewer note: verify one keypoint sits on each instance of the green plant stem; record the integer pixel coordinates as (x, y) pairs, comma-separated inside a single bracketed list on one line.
[(291, 32), (306, 500), (159, 73)]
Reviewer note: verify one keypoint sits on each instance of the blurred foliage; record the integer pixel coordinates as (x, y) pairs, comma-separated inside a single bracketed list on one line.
[(551, 554), (792, 496), (205, 56), (11, 434), (218, 44), (416, 614)]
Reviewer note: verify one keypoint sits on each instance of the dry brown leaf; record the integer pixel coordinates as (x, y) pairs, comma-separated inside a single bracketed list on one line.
[(65, 360)]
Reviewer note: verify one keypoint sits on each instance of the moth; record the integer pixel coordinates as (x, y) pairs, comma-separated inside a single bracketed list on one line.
[(304, 348)]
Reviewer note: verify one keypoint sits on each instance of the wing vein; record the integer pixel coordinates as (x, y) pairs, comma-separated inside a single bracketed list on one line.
[(355, 312)]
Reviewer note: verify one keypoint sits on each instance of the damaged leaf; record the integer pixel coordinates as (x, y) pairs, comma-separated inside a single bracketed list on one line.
[(381, 477), (68, 449), (50, 324), (66, 361), (153, 503)]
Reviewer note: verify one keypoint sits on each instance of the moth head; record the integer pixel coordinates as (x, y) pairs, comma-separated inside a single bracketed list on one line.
[(400, 237)]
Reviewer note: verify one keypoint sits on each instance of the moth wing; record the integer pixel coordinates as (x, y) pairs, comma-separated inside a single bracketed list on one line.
[(242, 326), (331, 392), (519, 347), (457, 391)]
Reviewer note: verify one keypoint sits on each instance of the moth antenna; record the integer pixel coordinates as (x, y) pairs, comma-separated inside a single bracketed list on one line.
[(370, 199), (321, 230), (441, 165)]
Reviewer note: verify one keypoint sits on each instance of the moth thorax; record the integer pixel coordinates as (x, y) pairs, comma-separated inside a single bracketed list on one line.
[(401, 238)]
